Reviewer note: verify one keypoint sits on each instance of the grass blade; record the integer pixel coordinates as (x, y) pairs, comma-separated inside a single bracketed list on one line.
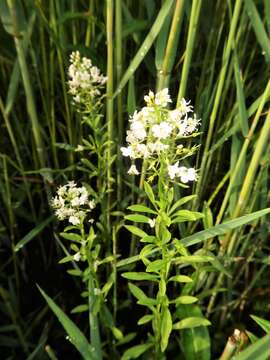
[(76, 336)]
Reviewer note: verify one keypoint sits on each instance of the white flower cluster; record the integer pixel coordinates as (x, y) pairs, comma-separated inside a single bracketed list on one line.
[(85, 79), (72, 203), (155, 132)]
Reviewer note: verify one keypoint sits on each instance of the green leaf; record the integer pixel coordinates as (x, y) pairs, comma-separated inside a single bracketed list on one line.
[(76, 336), (195, 342), (186, 215), (155, 266), (192, 259), (144, 48), (166, 328), (258, 28), (135, 351), (264, 324), (136, 231), (145, 319), (71, 236), (191, 322), (243, 115), (137, 218), (139, 276), (33, 233), (181, 278), (181, 202), (117, 333), (149, 192), (80, 308), (140, 296), (141, 208), (223, 228), (185, 299), (259, 351)]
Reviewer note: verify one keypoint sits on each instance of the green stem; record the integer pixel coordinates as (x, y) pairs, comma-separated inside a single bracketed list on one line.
[(30, 100), (194, 17), (118, 53), (218, 96), (109, 104), (170, 53)]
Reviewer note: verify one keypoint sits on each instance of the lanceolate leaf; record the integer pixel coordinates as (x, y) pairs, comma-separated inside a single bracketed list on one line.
[(135, 351), (166, 328), (259, 351), (191, 322), (76, 336), (223, 228), (195, 341), (146, 44), (139, 276)]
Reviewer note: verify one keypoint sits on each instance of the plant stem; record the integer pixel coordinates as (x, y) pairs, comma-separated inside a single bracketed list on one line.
[(169, 57), (194, 17), (30, 100), (109, 104), (118, 54)]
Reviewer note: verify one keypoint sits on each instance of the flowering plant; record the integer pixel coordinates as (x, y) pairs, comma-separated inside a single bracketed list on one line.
[(155, 135)]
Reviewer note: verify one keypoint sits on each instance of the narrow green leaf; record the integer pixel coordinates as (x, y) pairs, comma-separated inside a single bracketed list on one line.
[(259, 351), (166, 328), (80, 308), (155, 266), (137, 218), (195, 342), (71, 236), (186, 215), (135, 351), (223, 228), (185, 299), (243, 115), (181, 278), (76, 336), (149, 193), (258, 28), (145, 319), (139, 276), (141, 208), (264, 324), (33, 233), (137, 59), (135, 230), (191, 322), (181, 202)]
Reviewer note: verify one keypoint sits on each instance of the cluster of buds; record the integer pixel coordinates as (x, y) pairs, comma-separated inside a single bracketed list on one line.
[(72, 203), (85, 79), (156, 132)]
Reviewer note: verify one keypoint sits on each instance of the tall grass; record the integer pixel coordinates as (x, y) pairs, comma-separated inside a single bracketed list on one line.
[(214, 53)]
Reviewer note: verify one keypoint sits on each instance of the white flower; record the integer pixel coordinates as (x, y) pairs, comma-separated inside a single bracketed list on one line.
[(133, 170), (141, 150), (186, 174), (138, 130), (79, 148), (162, 130), (173, 170), (75, 201), (74, 220), (152, 222), (149, 98), (77, 256), (185, 107), (92, 204), (126, 151), (162, 98)]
